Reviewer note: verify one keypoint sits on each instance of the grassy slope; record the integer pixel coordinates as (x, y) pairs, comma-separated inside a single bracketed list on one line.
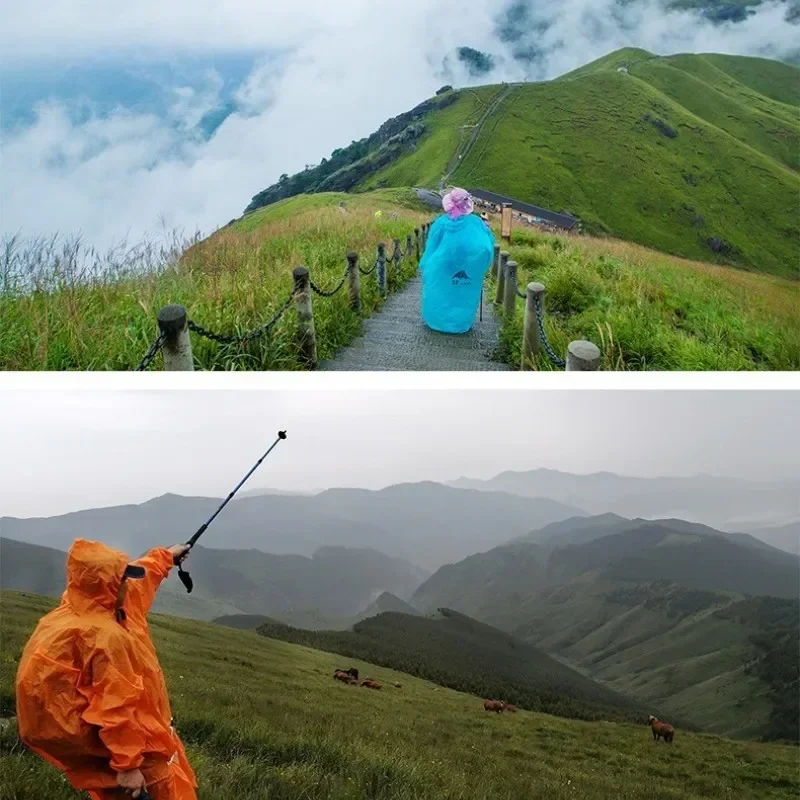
[(692, 664), (276, 726), (231, 283), (581, 144), (459, 652), (646, 309), (663, 644), (650, 311)]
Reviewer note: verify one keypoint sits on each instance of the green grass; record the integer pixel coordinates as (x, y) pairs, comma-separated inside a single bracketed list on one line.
[(649, 311), (588, 143), (263, 720), (231, 283), (646, 310), (426, 165)]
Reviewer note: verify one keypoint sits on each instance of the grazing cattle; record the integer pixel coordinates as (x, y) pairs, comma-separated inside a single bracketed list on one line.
[(341, 675), (511, 709), (494, 705), (397, 685), (352, 672), (371, 684), (660, 729)]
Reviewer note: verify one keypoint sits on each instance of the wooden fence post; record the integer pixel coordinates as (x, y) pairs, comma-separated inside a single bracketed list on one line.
[(306, 335), (409, 246), (173, 324), (383, 286), (506, 222), (397, 257), (418, 243), (501, 277), (355, 282), (583, 357), (531, 340), (496, 262), (510, 300)]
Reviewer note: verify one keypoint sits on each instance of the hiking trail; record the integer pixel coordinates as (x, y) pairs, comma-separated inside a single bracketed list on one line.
[(464, 149), (396, 340)]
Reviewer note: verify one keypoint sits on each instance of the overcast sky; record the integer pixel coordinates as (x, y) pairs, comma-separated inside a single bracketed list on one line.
[(63, 451), (319, 74)]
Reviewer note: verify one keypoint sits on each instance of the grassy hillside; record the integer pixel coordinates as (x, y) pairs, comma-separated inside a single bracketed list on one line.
[(696, 155), (646, 310), (681, 153), (231, 283), (263, 719), (649, 311), (462, 653), (653, 618)]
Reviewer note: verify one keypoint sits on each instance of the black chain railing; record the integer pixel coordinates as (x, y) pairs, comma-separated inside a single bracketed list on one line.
[(397, 258), (332, 293), (559, 362), (245, 337), (150, 355)]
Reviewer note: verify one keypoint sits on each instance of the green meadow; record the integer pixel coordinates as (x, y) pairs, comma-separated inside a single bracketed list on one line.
[(264, 720)]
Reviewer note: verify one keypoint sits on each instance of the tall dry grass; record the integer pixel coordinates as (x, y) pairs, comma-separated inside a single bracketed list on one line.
[(63, 306)]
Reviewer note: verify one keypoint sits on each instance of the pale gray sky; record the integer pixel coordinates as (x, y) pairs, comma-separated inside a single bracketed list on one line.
[(63, 451)]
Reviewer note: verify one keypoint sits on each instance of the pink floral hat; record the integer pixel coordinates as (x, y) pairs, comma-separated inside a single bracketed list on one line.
[(458, 203)]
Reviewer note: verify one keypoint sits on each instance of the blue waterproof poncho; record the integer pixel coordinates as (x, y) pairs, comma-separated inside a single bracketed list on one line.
[(457, 257)]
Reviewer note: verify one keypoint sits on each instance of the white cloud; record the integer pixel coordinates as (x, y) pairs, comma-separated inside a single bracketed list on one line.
[(350, 66)]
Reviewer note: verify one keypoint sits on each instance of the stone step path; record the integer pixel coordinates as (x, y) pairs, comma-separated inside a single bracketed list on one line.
[(396, 340)]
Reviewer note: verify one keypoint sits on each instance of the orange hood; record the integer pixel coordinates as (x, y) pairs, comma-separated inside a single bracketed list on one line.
[(94, 573)]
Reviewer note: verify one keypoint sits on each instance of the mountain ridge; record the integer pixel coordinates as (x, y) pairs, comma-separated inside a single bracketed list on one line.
[(635, 145), (648, 609)]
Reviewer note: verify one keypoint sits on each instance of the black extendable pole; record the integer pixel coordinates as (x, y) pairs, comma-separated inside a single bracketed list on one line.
[(182, 574)]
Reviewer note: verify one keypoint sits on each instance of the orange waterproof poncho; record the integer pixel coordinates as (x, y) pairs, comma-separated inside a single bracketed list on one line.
[(91, 697)]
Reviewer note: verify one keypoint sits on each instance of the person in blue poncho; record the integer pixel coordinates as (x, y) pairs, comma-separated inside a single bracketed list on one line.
[(457, 257)]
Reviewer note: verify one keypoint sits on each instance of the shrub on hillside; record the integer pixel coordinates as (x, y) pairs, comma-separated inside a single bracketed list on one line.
[(570, 290)]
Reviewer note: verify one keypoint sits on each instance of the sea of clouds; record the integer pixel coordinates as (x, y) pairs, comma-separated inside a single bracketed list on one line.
[(322, 75)]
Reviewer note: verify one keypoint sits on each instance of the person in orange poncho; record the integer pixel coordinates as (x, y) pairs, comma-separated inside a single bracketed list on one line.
[(91, 696)]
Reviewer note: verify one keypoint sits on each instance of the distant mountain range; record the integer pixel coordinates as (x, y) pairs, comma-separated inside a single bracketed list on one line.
[(426, 523), (785, 537), (728, 503), (313, 619), (704, 624), (340, 582)]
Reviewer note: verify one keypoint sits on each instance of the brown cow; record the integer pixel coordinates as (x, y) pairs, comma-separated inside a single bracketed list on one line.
[(660, 729), (341, 675), (511, 709), (494, 705), (371, 684)]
